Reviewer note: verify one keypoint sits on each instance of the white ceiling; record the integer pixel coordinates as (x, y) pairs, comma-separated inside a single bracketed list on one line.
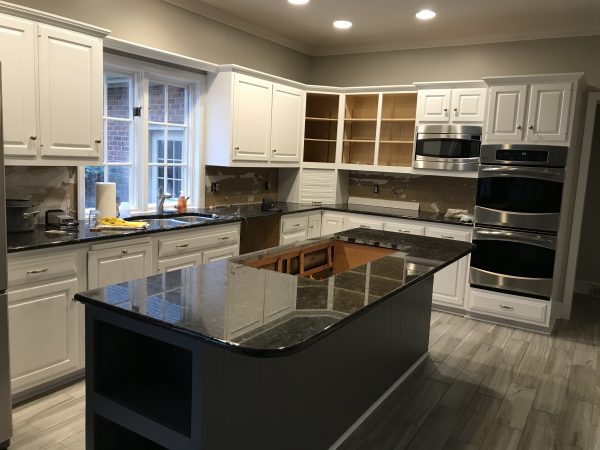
[(391, 25)]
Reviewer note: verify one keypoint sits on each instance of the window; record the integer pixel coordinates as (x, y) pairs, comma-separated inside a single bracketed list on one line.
[(150, 123)]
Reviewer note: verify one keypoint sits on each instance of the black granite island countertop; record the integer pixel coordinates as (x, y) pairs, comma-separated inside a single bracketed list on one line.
[(214, 302)]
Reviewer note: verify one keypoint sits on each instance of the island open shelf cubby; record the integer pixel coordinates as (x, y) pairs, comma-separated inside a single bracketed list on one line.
[(397, 132), (360, 128), (320, 129)]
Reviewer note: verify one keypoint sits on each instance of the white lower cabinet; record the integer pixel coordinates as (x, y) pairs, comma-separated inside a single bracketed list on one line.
[(179, 262), (403, 226), (119, 262), (314, 226), (331, 223), (294, 228), (450, 283), (217, 254), (361, 221), (508, 306)]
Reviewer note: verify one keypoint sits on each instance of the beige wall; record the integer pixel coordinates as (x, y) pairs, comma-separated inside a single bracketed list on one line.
[(168, 27), (588, 268), (461, 63)]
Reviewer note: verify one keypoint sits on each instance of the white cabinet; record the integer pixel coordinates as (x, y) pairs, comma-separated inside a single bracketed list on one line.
[(294, 228), (56, 75), (539, 111), (314, 226), (179, 262), (252, 99), (119, 262), (506, 113), (287, 123), (252, 121), (508, 306), (450, 283), (362, 221), (331, 223), (17, 54), (433, 105), (403, 226), (318, 185), (217, 254), (45, 324), (460, 105), (70, 82), (280, 295)]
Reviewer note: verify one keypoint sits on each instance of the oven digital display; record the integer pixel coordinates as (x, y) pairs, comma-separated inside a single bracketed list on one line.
[(522, 155)]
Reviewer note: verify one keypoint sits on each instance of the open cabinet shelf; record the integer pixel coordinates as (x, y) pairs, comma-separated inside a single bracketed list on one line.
[(321, 127)]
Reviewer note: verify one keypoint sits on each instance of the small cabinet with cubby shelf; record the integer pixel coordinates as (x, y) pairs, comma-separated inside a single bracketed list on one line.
[(321, 126), (397, 132)]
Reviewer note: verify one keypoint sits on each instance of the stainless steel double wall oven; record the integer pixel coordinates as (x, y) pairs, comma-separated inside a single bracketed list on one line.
[(517, 214)]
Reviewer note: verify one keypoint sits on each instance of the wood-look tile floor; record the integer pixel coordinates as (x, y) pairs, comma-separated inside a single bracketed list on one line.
[(483, 386)]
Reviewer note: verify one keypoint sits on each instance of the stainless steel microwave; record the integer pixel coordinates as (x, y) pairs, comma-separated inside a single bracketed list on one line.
[(447, 147)]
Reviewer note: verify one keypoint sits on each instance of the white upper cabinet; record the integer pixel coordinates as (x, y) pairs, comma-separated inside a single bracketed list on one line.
[(252, 99), (17, 56), (468, 105), (506, 113), (251, 121), (433, 105), (460, 105), (287, 123), (70, 68), (536, 109), (52, 94), (548, 116)]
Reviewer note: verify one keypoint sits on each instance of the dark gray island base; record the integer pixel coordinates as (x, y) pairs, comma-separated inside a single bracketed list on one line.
[(237, 355)]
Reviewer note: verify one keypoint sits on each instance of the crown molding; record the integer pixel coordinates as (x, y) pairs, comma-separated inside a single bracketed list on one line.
[(52, 19)]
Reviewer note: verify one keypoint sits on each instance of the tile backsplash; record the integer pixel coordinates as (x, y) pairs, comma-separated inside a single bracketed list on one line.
[(238, 185), (47, 187), (434, 193)]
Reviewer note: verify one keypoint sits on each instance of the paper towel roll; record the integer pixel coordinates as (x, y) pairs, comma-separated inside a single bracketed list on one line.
[(106, 199)]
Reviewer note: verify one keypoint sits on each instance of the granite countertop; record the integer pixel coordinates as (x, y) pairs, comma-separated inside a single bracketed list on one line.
[(214, 301), (38, 239)]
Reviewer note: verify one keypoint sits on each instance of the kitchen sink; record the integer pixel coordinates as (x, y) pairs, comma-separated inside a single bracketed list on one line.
[(177, 220)]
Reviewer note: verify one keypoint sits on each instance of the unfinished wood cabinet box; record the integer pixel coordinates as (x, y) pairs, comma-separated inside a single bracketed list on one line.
[(320, 129)]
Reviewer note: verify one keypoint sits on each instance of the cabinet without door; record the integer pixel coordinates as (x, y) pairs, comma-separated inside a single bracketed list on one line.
[(57, 73)]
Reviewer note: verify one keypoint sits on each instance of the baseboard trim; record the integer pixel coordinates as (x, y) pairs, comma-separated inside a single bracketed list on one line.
[(378, 402), (586, 287)]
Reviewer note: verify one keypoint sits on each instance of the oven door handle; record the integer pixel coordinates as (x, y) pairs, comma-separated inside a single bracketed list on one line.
[(515, 236), (437, 137), (522, 172)]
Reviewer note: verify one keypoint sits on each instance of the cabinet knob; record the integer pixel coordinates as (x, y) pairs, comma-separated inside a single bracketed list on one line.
[(519, 127), (274, 150), (124, 251), (98, 141), (33, 137), (455, 109), (530, 127), (445, 109), (237, 149)]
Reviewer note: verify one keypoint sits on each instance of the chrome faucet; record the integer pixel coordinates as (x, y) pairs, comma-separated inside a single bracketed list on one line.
[(162, 196)]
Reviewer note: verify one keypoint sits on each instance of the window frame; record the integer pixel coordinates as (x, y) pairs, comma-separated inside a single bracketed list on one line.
[(143, 73)]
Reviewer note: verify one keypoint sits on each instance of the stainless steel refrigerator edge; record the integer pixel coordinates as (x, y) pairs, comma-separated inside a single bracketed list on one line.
[(5, 404)]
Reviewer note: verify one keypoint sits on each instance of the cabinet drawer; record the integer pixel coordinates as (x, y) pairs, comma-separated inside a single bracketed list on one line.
[(293, 237), (448, 234), (193, 242), (402, 227), (362, 222), (509, 306), (34, 271), (294, 224)]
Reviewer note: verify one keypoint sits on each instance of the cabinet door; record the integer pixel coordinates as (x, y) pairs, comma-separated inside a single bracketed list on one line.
[(449, 283), (314, 226), (402, 227), (70, 80), (318, 185), (331, 223), (251, 118), (220, 253), (506, 113), (118, 265), (433, 105), (549, 107), (362, 222), (293, 237), (17, 54), (44, 334), (179, 262), (468, 105), (287, 121)]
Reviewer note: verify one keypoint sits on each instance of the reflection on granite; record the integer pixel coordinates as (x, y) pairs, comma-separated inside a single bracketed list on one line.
[(269, 313)]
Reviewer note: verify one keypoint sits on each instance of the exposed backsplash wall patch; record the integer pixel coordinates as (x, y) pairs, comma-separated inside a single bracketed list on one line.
[(47, 187), (239, 185), (433, 193)]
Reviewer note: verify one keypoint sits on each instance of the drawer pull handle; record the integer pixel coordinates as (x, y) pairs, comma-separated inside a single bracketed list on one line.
[(364, 226), (404, 231), (183, 245), (36, 271), (445, 236), (224, 238), (296, 225), (124, 251), (508, 308)]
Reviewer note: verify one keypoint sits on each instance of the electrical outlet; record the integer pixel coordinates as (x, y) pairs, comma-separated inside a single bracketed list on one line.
[(595, 291), (213, 188), (375, 188), (268, 185)]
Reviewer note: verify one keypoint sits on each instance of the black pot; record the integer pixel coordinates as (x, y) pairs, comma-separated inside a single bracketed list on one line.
[(20, 215)]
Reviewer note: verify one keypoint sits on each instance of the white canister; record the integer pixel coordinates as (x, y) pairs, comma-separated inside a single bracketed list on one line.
[(106, 199)]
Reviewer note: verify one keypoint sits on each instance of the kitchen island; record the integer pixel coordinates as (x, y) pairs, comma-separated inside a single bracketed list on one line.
[(279, 349)]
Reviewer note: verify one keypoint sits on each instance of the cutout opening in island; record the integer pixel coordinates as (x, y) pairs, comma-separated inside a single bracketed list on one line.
[(319, 260)]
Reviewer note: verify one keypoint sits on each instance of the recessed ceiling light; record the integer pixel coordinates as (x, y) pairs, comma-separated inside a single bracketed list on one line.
[(425, 14), (298, 2), (342, 24)]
